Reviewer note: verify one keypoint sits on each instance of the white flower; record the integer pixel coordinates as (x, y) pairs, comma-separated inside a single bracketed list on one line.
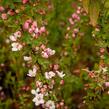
[(49, 75), (60, 74), (16, 46), (36, 30), (13, 38), (104, 69), (35, 92), (38, 99), (50, 52), (32, 73), (50, 104), (39, 84), (47, 52), (17, 34), (27, 58), (44, 54)]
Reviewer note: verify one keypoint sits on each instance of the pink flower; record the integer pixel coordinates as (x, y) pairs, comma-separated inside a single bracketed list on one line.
[(76, 30), (34, 24), (62, 82), (17, 34), (55, 66), (44, 55), (74, 16), (26, 26), (4, 16), (30, 30), (107, 84), (11, 12), (42, 29), (24, 1), (43, 46), (1, 9), (71, 21)]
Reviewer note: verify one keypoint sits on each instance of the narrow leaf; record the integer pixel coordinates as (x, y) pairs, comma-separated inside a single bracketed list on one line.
[(86, 5), (94, 10)]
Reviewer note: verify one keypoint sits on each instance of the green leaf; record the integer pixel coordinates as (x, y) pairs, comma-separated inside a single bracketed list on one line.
[(106, 4), (86, 5), (94, 10)]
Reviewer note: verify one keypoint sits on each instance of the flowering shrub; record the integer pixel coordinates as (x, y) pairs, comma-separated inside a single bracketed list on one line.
[(54, 54)]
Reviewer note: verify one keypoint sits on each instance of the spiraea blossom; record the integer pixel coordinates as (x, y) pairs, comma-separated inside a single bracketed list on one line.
[(33, 29), (49, 75), (32, 73), (50, 104), (60, 74), (15, 36), (27, 58), (47, 53), (35, 92), (38, 99), (16, 46)]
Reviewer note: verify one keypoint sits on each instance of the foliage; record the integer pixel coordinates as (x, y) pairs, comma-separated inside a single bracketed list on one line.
[(54, 50)]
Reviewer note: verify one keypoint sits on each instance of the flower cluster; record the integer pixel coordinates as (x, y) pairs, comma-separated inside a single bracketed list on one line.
[(32, 73), (41, 92), (74, 20), (16, 46), (47, 52), (45, 89), (52, 74), (99, 77), (5, 13), (33, 29)]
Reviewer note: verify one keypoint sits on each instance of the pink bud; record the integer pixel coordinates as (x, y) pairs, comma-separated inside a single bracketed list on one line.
[(43, 46), (56, 67), (44, 55), (78, 18), (11, 12), (107, 84), (71, 21), (74, 16), (24, 1), (1, 9), (73, 35), (4, 16), (61, 103), (30, 30), (34, 23), (76, 30), (62, 82), (78, 11), (102, 50), (42, 29), (26, 26)]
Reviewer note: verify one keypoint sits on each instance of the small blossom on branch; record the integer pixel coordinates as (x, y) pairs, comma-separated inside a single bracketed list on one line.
[(32, 73), (49, 75), (60, 74), (38, 99), (27, 58), (16, 46), (47, 53), (50, 104)]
